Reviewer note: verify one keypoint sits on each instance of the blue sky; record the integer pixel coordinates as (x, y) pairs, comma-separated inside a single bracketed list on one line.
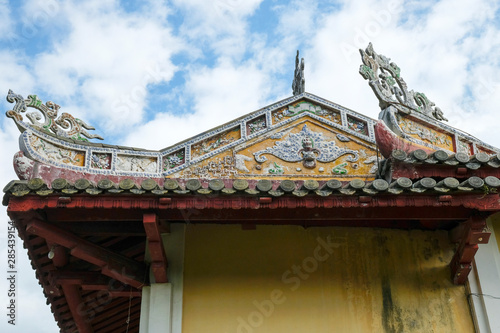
[(154, 74)]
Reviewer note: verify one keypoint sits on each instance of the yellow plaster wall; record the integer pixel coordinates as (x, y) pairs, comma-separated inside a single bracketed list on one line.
[(495, 223), (285, 279)]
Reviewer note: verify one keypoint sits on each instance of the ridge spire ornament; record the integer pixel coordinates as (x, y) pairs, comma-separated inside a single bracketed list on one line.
[(299, 82), (45, 118), (386, 82)]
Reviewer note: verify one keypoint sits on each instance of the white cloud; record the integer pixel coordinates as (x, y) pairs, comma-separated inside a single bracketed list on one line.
[(5, 19), (211, 19), (105, 63), (16, 74), (219, 95), (333, 74)]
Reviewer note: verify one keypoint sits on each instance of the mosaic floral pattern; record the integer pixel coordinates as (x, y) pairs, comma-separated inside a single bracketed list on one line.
[(62, 155), (372, 160), (357, 125), (340, 169), (217, 141), (275, 169), (136, 163), (464, 147), (239, 162), (330, 115), (256, 125), (301, 107), (174, 160), (424, 133), (218, 168), (292, 148), (101, 161)]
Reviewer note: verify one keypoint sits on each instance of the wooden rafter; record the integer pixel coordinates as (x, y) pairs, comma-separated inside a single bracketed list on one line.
[(112, 264), (74, 300)]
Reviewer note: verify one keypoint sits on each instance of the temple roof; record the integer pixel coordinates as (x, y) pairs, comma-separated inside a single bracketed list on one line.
[(303, 160), (301, 137)]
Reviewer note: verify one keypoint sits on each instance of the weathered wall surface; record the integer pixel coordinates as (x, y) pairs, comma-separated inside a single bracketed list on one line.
[(290, 279), (495, 223)]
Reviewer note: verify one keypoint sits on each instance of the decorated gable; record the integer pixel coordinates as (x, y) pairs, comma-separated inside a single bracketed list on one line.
[(301, 139)]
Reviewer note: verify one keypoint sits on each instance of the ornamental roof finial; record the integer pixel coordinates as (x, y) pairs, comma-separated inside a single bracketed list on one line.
[(299, 82), (45, 118), (384, 77)]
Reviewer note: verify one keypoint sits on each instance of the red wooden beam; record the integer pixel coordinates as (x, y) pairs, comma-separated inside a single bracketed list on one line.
[(86, 280), (74, 300), (468, 235), (156, 250), (123, 207), (114, 294), (60, 256), (112, 264)]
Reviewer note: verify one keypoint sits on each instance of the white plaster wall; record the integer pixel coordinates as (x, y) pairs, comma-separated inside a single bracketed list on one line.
[(174, 249), (161, 304), (485, 280)]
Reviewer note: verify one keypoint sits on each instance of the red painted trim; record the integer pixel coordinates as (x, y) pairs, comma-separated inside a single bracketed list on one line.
[(156, 250), (387, 141), (478, 201)]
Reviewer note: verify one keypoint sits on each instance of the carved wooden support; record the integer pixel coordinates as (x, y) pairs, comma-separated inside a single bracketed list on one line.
[(91, 281), (468, 235), (156, 250), (112, 264)]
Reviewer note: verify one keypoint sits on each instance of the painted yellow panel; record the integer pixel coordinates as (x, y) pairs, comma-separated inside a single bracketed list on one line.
[(301, 149), (290, 279), (220, 166), (215, 142), (57, 153), (348, 156), (425, 133)]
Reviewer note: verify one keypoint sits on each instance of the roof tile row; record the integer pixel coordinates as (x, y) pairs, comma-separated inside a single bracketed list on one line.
[(473, 162), (400, 185)]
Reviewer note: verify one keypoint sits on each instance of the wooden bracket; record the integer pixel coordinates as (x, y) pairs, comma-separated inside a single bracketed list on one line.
[(112, 264), (155, 243), (91, 281), (468, 235)]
